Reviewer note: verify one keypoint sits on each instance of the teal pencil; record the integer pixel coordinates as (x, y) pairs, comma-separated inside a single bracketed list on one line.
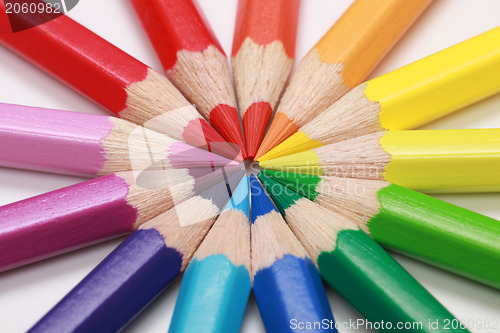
[(216, 285)]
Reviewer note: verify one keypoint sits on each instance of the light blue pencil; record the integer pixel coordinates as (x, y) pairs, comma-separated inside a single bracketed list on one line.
[(215, 288)]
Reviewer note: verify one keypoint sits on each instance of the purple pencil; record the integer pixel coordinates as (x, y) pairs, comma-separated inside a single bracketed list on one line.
[(140, 268), (92, 211)]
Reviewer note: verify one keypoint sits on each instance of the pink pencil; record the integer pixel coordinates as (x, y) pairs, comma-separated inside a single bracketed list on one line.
[(93, 211), (89, 145)]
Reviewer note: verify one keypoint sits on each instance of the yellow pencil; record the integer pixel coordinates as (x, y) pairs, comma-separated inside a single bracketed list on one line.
[(407, 97), (466, 160)]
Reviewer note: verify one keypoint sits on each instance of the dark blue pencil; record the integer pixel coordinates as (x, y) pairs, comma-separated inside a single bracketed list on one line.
[(286, 282), (140, 268)]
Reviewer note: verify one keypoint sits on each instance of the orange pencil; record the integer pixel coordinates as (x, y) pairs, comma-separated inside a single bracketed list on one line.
[(262, 58), (341, 60)]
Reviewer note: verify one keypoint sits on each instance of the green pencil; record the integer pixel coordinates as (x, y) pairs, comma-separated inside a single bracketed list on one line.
[(358, 268), (409, 222)]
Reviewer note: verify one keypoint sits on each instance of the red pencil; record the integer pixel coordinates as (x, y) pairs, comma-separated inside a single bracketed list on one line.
[(110, 77), (193, 60), (262, 58)]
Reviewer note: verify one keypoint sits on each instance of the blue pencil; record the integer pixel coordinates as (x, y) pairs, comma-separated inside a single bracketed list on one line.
[(286, 283), (140, 268), (215, 287)]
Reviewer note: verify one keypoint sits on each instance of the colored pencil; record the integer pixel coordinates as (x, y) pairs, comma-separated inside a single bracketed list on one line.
[(340, 61), (357, 267), (426, 160), (89, 145), (110, 77), (193, 60), (286, 282), (407, 97), (263, 53), (409, 222), (139, 268), (89, 212), (216, 285)]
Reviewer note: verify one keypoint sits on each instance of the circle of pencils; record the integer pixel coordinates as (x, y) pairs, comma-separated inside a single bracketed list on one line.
[(342, 168)]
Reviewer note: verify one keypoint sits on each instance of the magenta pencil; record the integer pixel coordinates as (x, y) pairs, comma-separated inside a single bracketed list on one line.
[(89, 145), (92, 211)]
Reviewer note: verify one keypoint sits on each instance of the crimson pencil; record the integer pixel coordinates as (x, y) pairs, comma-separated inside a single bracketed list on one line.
[(110, 77), (193, 60), (262, 58), (92, 211)]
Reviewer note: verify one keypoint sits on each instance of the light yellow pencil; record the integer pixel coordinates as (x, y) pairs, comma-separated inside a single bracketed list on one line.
[(466, 160), (407, 97)]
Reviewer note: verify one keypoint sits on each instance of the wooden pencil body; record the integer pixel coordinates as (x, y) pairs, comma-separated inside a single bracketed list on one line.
[(217, 283), (110, 77), (286, 282), (52, 140), (193, 60), (64, 220), (90, 145), (262, 58), (114, 292), (74, 61), (425, 160), (140, 268)]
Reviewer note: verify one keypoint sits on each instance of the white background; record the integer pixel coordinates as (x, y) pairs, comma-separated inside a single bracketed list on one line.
[(27, 293)]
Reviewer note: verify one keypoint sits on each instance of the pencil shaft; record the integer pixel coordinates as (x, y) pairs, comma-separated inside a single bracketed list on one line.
[(439, 84), (213, 296), (52, 140), (262, 58), (174, 26), (116, 290), (439, 233), (64, 220), (281, 289), (80, 58), (380, 292), (443, 160)]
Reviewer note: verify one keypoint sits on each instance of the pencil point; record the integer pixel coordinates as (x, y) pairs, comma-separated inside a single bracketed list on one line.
[(225, 119), (280, 129), (297, 143), (255, 123), (304, 162)]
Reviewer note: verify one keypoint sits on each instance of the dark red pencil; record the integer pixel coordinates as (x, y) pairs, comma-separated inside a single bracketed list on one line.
[(109, 76), (193, 60)]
